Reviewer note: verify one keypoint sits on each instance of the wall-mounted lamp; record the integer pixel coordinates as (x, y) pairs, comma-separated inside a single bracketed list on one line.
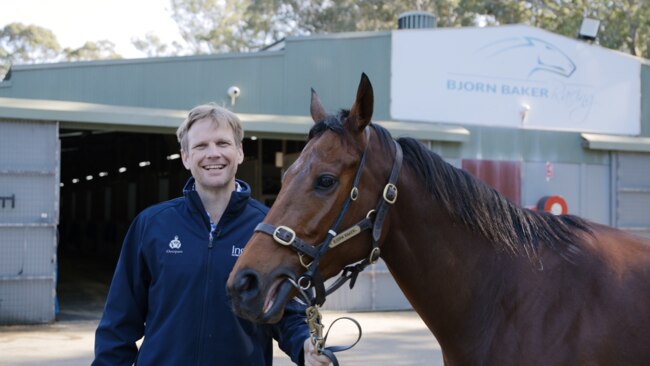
[(234, 93), (589, 29)]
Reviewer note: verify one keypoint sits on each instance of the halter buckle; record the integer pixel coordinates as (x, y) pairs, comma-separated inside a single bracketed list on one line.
[(284, 235), (302, 261), (390, 193)]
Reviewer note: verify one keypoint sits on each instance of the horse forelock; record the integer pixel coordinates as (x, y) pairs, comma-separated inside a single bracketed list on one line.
[(333, 122)]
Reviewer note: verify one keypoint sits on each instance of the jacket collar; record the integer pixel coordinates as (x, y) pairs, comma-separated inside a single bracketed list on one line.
[(237, 203)]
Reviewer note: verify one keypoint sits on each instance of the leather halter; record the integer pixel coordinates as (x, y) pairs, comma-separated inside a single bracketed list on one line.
[(373, 221)]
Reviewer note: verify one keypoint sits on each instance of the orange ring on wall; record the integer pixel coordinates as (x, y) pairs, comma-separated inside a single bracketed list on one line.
[(553, 204)]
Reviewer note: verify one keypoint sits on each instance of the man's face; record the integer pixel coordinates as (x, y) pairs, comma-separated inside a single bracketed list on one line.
[(213, 155)]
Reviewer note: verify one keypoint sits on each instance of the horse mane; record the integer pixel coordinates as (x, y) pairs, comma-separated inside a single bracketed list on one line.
[(484, 210), (476, 205)]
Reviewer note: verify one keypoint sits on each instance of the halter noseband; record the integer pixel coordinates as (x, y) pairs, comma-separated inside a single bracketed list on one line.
[(373, 221)]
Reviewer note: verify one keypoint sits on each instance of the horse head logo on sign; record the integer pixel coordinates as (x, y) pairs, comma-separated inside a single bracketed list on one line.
[(532, 54)]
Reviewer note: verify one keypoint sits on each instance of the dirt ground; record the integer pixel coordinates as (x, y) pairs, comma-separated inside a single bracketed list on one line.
[(389, 338)]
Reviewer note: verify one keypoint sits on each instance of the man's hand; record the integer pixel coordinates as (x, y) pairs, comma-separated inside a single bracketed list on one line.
[(312, 358)]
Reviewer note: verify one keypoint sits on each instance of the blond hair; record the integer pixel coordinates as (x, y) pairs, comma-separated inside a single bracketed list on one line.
[(217, 115)]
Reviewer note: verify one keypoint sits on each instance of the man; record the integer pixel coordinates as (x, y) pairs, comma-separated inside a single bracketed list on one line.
[(169, 284)]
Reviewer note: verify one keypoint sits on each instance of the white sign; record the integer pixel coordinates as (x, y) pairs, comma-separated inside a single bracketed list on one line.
[(513, 76)]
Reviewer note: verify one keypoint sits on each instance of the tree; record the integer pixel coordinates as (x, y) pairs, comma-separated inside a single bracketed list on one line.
[(30, 44), (20, 43), (210, 26), (100, 50), (152, 46), (268, 21), (243, 25), (625, 24)]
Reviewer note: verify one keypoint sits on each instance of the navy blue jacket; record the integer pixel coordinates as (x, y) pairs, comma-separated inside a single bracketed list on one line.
[(169, 286)]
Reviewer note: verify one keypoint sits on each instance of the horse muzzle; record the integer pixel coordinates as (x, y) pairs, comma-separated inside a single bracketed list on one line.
[(259, 299)]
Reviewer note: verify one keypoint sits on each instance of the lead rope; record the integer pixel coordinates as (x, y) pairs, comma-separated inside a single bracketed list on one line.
[(314, 321)]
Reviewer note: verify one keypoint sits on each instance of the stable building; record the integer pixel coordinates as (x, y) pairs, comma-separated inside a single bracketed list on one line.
[(553, 123)]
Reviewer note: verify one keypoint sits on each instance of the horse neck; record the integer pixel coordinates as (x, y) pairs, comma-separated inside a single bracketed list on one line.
[(439, 264)]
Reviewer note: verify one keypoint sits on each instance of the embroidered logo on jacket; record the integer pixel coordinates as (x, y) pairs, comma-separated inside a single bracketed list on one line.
[(236, 252), (174, 244)]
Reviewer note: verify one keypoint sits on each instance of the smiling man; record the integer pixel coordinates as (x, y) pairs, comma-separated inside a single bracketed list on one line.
[(169, 284)]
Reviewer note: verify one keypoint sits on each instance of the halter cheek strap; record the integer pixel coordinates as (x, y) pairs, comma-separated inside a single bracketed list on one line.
[(374, 220)]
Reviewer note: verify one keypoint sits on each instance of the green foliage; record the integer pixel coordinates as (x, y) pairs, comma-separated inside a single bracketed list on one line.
[(20, 43), (152, 46), (100, 50), (241, 25), (212, 26), (30, 44)]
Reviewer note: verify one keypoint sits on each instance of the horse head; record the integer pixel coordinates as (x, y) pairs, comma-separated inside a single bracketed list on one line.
[(303, 239)]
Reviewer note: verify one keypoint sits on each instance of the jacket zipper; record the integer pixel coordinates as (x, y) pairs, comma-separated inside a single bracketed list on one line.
[(217, 233), (205, 298)]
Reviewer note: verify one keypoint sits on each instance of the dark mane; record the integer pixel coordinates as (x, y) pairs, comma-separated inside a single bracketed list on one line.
[(484, 210)]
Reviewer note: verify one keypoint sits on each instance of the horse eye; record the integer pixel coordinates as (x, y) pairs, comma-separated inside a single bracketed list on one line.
[(325, 182)]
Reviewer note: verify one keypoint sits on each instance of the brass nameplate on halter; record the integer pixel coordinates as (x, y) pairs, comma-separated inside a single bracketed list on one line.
[(347, 234)]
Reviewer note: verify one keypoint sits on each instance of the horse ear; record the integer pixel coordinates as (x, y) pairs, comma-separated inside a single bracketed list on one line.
[(361, 111), (316, 108)]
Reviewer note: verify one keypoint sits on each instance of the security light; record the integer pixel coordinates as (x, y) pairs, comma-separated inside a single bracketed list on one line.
[(589, 29)]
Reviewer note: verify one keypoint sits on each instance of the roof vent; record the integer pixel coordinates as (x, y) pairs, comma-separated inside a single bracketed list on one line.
[(416, 20)]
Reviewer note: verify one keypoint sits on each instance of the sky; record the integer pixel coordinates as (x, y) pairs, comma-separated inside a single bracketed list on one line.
[(74, 22)]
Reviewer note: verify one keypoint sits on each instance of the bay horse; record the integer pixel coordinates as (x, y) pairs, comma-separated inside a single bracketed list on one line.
[(495, 283)]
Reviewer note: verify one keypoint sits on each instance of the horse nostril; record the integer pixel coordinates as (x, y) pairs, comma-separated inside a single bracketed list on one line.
[(247, 285)]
